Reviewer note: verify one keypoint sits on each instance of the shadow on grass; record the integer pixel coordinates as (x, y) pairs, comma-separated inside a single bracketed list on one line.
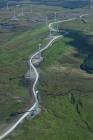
[(84, 46)]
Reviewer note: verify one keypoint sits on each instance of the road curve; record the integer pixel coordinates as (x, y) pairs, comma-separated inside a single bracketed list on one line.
[(36, 103)]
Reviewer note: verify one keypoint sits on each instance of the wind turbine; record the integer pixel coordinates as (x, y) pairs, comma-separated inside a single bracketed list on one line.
[(14, 15), (91, 4), (55, 18), (39, 50), (31, 8), (50, 33), (22, 11), (7, 6), (46, 20)]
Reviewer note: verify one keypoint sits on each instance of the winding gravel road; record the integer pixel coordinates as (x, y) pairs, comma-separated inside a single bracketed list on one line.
[(36, 103)]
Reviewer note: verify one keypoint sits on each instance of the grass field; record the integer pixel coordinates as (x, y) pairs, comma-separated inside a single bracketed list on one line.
[(66, 94), (66, 97), (66, 91), (18, 40), (13, 60)]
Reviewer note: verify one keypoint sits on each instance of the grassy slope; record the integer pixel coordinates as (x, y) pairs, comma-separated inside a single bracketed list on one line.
[(13, 60), (67, 97), (16, 45)]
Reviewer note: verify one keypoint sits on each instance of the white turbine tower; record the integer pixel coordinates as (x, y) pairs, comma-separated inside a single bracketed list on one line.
[(31, 8), (91, 4), (14, 17), (39, 50), (7, 6), (50, 33), (22, 11), (14, 13), (46, 21), (55, 18)]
